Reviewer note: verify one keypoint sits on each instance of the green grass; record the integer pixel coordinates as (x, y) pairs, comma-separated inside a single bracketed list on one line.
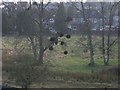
[(69, 84), (74, 61), (75, 64), (70, 71)]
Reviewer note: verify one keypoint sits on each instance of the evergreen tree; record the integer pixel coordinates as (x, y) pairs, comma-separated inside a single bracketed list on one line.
[(60, 24), (71, 11)]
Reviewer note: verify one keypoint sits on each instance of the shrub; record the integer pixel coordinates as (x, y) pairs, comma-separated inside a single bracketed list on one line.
[(25, 71)]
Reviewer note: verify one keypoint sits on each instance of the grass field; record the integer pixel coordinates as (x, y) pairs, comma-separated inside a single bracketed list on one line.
[(75, 64)]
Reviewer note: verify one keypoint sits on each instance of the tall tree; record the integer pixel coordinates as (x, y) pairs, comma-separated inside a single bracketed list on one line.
[(107, 9), (26, 26), (88, 32), (71, 11), (60, 24), (8, 25), (87, 28), (32, 22), (103, 31), (112, 9)]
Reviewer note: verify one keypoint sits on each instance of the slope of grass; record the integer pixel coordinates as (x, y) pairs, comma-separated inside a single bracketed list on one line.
[(63, 84), (75, 61), (75, 64)]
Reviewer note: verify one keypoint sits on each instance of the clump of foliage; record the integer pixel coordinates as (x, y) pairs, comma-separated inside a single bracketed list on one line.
[(25, 71)]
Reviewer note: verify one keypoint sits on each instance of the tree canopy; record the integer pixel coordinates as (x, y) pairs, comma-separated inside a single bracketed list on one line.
[(60, 24)]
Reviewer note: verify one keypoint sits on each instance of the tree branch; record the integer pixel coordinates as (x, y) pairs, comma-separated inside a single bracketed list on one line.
[(113, 42), (47, 4), (36, 21), (77, 7)]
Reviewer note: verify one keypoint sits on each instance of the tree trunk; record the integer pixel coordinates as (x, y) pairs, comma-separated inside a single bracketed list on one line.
[(41, 47), (103, 38), (108, 50), (34, 49), (89, 36), (103, 49), (41, 50), (41, 53), (91, 49), (108, 37)]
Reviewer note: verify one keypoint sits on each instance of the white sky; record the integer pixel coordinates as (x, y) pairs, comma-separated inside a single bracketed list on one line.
[(40, 0), (61, 0)]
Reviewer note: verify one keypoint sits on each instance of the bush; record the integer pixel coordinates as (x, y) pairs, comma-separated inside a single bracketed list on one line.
[(24, 71)]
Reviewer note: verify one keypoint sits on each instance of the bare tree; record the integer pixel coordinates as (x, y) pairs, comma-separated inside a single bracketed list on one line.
[(113, 8), (109, 11), (103, 29), (35, 28), (87, 29)]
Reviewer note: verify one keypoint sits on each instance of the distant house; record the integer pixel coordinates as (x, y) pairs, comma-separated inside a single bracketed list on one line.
[(8, 6), (9, 3), (22, 4)]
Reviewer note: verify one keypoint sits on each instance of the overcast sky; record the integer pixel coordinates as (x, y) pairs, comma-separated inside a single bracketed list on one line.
[(41, 0), (61, 0)]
